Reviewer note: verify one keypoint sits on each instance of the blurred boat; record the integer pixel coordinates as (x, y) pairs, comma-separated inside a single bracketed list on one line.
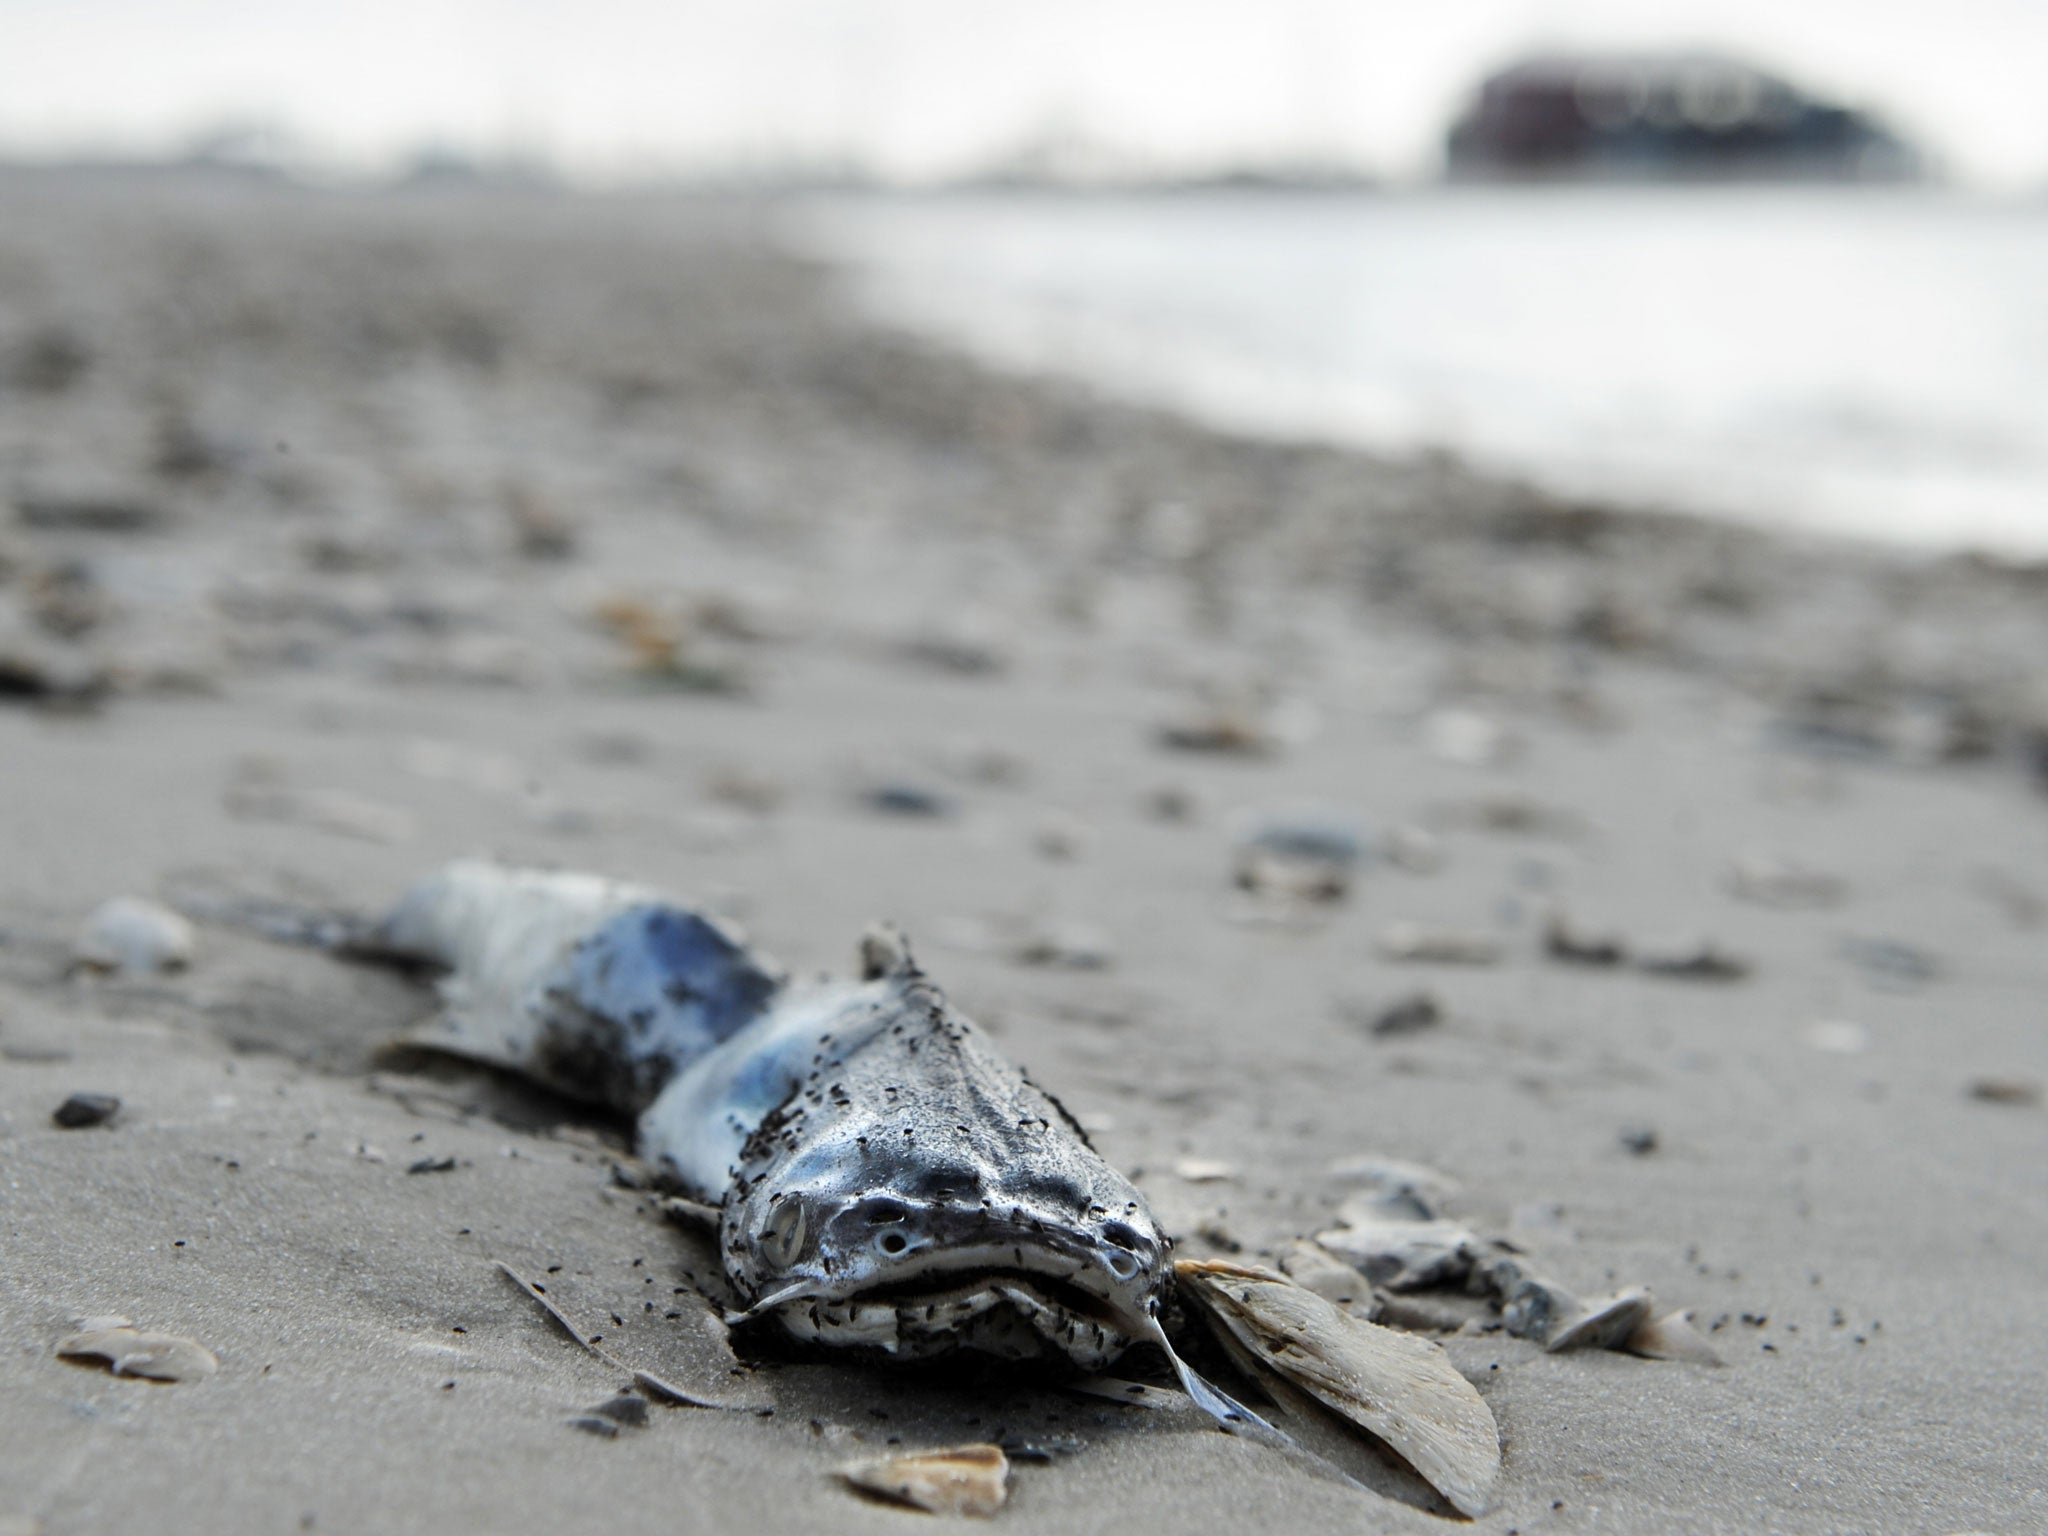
[(1666, 117)]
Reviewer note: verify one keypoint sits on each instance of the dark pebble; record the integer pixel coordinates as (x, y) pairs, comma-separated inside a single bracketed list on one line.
[(432, 1165), (83, 1109), (1639, 1139)]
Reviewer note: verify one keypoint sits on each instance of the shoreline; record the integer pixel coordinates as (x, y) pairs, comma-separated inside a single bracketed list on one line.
[(429, 527)]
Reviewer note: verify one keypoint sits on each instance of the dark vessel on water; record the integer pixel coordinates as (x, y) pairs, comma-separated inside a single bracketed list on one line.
[(1665, 116)]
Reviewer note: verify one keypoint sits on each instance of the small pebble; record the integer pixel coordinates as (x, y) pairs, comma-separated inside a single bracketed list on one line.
[(83, 1109)]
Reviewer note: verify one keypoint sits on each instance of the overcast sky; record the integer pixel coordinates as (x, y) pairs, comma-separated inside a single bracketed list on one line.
[(926, 87)]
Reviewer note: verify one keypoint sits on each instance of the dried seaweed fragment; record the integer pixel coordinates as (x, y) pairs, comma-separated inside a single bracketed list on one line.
[(1400, 1389), (960, 1480)]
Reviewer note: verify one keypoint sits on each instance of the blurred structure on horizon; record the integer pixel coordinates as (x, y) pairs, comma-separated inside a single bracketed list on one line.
[(1665, 116)]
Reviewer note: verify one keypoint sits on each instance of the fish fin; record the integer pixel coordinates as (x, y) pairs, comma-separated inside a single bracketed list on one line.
[(1233, 1418), (885, 951), (456, 1031)]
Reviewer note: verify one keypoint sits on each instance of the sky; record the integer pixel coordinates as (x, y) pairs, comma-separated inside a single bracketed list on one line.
[(924, 89)]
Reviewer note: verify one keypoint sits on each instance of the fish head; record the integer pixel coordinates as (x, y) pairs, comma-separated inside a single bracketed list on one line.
[(922, 1196)]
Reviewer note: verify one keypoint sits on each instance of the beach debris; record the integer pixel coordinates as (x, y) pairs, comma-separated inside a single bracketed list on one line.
[(1563, 940), (1299, 855), (1409, 1014), (1693, 960), (1606, 1324), (1395, 1185), (49, 360), (1312, 1265), (134, 936), (623, 1411), (52, 673), (113, 510), (1532, 1305), (1231, 732), (1511, 815), (962, 1480), (1402, 1253), (1423, 944), (2022, 906), (660, 651), (128, 1351), (1416, 850), (960, 651), (1470, 739), (1892, 964), (1838, 1037), (908, 799), (1064, 946), (1773, 881), (1203, 1170), (1671, 1337), (85, 1109), (1172, 803), (541, 530), (1640, 1140), (2006, 1090), (1400, 1389), (1061, 836)]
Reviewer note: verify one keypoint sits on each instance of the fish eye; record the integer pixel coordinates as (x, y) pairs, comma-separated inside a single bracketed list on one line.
[(892, 1242), (784, 1233), (1122, 1236)]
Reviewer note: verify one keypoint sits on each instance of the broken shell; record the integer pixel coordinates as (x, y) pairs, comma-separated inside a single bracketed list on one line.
[(135, 937), (1437, 946), (1312, 1265), (1400, 1389), (1671, 1337), (1783, 883), (1562, 940), (1303, 855), (962, 1480), (129, 1352), (1704, 961), (1400, 1255), (1605, 1324), (1204, 1170)]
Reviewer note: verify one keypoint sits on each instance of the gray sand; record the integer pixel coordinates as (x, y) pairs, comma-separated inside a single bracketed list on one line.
[(352, 649)]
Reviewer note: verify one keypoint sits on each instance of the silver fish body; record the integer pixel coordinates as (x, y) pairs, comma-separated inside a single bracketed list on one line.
[(885, 1177)]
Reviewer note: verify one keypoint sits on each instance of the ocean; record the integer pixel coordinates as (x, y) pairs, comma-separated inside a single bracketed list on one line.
[(1854, 361)]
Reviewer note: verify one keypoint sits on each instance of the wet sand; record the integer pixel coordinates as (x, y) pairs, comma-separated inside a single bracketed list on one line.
[(357, 533)]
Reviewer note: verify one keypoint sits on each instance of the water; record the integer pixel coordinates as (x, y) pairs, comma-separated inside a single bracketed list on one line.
[(1862, 362)]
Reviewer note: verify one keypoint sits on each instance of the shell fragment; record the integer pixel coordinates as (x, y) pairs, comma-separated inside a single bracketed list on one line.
[(1400, 1389)]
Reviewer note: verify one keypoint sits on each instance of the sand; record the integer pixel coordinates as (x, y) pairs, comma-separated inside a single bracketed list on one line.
[(592, 534)]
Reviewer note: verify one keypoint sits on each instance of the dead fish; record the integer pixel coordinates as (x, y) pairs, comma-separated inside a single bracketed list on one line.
[(971, 1480), (1402, 1390), (884, 1179)]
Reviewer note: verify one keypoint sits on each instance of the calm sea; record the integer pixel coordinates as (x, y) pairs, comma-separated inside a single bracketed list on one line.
[(1868, 362)]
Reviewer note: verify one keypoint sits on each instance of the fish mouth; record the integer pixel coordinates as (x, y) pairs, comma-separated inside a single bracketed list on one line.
[(964, 1301)]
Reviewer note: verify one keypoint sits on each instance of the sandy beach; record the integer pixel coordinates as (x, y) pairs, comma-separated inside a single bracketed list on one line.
[(353, 533)]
